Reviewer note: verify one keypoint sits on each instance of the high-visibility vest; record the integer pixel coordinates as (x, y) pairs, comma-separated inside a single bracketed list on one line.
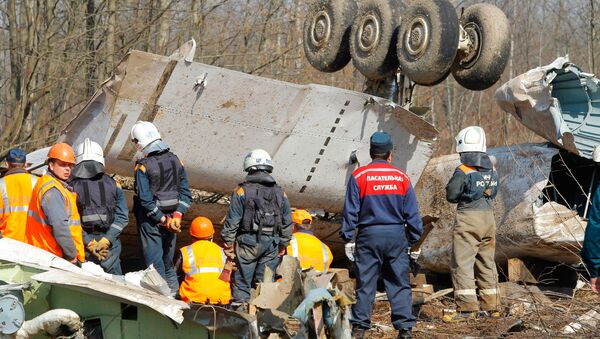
[(15, 190), (310, 251), (203, 262), (38, 233)]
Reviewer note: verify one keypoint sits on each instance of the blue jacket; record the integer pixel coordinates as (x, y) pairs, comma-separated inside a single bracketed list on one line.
[(380, 194), (146, 197), (467, 186), (590, 253)]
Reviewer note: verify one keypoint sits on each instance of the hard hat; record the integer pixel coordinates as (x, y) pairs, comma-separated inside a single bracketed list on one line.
[(202, 228), (89, 150), (143, 133), (470, 139), (258, 159), (298, 216), (62, 152)]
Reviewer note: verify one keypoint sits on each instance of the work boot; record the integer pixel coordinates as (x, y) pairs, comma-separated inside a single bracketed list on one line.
[(459, 317), (404, 333), (489, 314), (358, 333)]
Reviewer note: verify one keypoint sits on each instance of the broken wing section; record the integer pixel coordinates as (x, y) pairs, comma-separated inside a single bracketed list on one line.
[(559, 102), (211, 117)]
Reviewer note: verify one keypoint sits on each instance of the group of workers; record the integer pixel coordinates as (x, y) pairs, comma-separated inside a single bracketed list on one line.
[(78, 212)]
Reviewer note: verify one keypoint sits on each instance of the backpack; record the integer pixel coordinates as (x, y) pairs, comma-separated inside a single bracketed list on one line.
[(262, 209)]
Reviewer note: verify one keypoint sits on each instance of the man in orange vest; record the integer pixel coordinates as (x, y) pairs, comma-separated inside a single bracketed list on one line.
[(15, 190), (53, 222), (199, 266), (310, 251)]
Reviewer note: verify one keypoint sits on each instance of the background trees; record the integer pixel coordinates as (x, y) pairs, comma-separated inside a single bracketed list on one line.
[(55, 54)]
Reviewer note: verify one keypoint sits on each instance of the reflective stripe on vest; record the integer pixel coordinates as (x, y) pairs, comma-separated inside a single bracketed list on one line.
[(15, 192), (196, 270), (37, 231), (295, 249), (202, 284), (94, 217)]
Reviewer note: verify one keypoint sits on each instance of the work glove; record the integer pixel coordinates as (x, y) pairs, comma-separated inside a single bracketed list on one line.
[(102, 249), (412, 257), (174, 223), (350, 248), (229, 251), (92, 247)]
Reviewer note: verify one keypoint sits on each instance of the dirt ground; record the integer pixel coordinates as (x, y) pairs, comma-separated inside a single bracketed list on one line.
[(539, 321)]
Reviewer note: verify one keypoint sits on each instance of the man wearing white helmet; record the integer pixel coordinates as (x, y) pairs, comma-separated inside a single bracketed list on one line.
[(102, 207), (258, 226), (473, 187), (162, 198)]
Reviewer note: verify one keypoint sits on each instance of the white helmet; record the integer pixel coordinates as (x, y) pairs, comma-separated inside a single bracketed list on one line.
[(470, 139), (143, 133), (89, 150), (258, 159)]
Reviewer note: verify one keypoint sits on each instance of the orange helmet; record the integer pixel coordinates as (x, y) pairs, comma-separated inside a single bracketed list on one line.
[(202, 228), (299, 216), (62, 152)]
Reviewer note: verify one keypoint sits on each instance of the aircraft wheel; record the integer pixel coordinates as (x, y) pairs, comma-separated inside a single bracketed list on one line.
[(482, 64), (373, 38), (326, 34), (428, 41)]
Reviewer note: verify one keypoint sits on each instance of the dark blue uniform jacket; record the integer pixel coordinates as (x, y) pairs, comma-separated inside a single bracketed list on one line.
[(381, 194)]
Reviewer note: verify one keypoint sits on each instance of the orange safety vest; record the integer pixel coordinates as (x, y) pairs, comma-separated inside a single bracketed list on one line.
[(310, 251), (15, 190), (203, 262), (38, 233)]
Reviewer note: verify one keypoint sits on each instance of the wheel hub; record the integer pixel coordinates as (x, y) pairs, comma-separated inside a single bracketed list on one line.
[(417, 37), (470, 55), (320, 29), (369, 33)]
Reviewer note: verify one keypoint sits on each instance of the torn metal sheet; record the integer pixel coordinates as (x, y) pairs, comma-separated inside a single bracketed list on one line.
[(61, 272), (526, 225), (559, 102), (211, 117), (222, 321)]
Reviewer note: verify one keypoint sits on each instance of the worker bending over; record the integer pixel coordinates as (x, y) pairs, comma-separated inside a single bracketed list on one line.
[(473, 187), (379, 223), (53, 222), (199, 266), (102, 207), (15, 190), (162, 198), (310, 251), (259, 223)]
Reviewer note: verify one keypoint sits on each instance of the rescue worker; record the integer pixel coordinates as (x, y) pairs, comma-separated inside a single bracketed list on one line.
[(473, 187), (199, 266), (162, 198), (379, 224), (15, 188), (590, 252), (309, 250), (259, 222), (102, 207), (53, 222)]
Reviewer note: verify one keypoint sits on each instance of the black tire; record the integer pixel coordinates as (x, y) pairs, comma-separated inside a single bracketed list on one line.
[(373, 38), (326, 34), (428, 41), (483, 63)]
